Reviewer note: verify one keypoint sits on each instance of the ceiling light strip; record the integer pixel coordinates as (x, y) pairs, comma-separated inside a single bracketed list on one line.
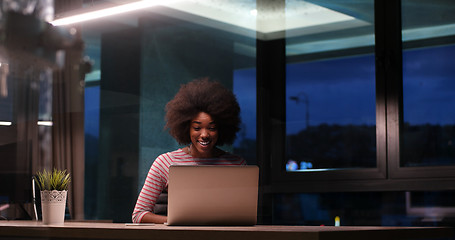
[(41, 123), (45, 123), (5, 123), (107, 12)]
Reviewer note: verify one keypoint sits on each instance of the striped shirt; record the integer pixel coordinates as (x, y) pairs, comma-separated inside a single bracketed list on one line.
[(157, 177)]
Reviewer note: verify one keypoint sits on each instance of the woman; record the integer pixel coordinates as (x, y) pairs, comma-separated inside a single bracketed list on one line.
[(202, 116)]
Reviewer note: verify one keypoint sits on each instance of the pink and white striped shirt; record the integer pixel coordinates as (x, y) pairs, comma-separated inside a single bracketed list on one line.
[(157, 177)]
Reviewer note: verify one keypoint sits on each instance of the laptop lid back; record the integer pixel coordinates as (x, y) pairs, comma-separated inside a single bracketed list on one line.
[(213, 195)]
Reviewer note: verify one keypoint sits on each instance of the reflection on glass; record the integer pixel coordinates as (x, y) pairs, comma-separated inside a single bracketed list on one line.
[(429, 208), (6, 93), (431, 205), (428, 132), (330, 88), (139, 62)]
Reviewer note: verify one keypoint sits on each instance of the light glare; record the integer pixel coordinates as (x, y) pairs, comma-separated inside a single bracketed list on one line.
[(107, 12), (45, 123), (5, 123)]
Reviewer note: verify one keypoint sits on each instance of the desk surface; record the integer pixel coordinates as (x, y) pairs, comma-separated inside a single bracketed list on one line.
[(92, 230)]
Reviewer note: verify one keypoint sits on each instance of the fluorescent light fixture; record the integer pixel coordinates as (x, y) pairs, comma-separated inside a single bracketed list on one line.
[(108, 12), (45, 123), (5, 123), (41, 123)]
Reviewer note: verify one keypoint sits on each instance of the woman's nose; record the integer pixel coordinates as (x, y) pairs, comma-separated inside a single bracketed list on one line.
[(205, 133)]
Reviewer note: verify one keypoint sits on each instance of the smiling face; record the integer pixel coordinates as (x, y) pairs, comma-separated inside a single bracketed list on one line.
[(204, 135)]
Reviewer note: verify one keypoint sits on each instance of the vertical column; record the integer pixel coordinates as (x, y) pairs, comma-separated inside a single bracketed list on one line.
[(389, 82), (271, 106)]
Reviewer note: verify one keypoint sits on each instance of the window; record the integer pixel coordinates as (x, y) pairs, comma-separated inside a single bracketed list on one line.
[(331, 91), (92, 132), (391, 121), (428, 133), (331, 114), (245, 90)]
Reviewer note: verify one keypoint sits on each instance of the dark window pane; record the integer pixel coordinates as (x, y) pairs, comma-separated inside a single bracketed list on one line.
[(245, 90), (428, 133), (91, 131), (331, 113), (330, 89)]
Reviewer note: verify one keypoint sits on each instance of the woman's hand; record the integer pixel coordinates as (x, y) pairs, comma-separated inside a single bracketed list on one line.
[(153, 218)]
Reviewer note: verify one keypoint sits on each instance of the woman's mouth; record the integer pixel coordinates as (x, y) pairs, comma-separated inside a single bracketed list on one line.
[(204, 143)]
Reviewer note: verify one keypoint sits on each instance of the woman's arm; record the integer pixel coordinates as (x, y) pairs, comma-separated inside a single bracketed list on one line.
[(153, 218), (153, 186)]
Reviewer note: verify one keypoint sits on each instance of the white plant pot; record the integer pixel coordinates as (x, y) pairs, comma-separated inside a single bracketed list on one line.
[(53, 207)]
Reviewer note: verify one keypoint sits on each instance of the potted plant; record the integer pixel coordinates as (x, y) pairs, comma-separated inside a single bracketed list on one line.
[(53, 187)]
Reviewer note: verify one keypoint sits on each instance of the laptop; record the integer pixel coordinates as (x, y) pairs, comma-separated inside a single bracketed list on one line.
[(213, 195)]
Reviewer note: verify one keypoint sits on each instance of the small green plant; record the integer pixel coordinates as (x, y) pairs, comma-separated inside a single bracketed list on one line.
[(53, 180)]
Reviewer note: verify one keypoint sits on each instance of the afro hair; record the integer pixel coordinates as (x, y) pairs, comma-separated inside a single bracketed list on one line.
[(202, 95)]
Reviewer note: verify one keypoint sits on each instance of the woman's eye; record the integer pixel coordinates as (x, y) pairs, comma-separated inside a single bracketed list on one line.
[(197, 128), (212, 129)]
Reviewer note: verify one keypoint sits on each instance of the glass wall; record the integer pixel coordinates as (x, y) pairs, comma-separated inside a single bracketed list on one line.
[(245, 90), (330, 99), (428, 134), (330, 87), (139, 62), (395, 208), (340, 152), (332, 77)]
